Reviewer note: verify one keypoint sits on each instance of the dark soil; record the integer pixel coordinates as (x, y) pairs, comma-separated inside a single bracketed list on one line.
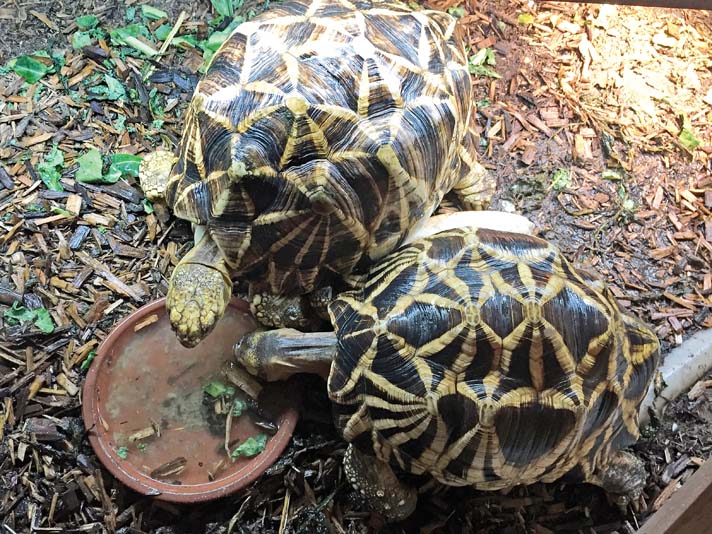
[(592, 153)]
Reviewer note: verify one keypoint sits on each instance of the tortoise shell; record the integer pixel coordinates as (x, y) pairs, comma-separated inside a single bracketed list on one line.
[(483, 357), (321, 134)]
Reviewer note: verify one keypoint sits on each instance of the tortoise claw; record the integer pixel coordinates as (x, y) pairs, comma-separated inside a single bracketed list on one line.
[(196, 300)]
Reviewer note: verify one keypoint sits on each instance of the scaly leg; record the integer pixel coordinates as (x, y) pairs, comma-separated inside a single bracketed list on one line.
[(199, 290), (377, 482)]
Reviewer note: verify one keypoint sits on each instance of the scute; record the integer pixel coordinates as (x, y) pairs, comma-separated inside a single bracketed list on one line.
[(517, 378)]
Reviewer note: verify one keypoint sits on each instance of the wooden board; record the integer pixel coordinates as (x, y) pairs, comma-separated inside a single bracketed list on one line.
[(689, 510)]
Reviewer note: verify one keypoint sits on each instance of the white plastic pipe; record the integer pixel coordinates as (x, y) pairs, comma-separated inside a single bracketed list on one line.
[(682, 368)]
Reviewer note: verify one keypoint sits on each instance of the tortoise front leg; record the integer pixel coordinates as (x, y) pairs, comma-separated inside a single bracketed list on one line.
[(377, 482), (199, 290), (475, 185), (278, 354)]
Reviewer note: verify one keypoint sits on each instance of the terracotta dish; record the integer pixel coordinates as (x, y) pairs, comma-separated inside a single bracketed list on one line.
[(143, 383)]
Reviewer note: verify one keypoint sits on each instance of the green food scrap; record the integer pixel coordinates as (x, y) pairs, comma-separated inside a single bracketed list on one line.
[(147, 206), (18, 313), (111, 89), (122, 452), (39, 317), (43, 321), (689, 140), (125, 164), (162, 31), (457, 11), (216, 389), (81, 39), (610, 174), (561, 179), (238, 407), (86, 22), (49, 169), (87, 361), (226, 8), (525, 18), (61, 211), (482, 62), (89, 167), (153, 13), (29, 68), (252, 446)]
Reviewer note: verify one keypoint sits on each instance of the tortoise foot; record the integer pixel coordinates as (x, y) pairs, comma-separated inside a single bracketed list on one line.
[(375, 480), (277, 311), (196, 300), (623, 476)]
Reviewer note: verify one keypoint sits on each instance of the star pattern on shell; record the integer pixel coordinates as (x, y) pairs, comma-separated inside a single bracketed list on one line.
[(483, 358)]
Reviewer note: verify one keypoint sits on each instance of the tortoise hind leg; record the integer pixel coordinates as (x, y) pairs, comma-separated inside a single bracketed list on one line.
[(622, 474), (378, 484), (303, 312), (199, 290), (475, 185)]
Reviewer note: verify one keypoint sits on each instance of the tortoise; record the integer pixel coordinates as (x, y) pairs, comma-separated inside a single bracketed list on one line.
[(479, 357), (321, 135)]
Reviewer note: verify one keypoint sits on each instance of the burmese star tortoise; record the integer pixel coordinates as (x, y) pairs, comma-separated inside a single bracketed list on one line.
[(479, 357), (322, 134)]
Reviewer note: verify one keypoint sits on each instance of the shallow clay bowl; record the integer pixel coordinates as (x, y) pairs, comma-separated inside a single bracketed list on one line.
[(143, 380)]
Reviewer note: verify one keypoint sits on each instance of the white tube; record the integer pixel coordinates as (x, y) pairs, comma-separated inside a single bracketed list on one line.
[(682, 367)]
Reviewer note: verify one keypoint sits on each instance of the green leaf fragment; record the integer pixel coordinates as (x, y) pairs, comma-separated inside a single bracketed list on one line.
[(17, 313), (89, 167), (457, 11), (215, 389), (43, 321), (525, 18), (86, 22), (112, 89), (153, 13), (122, 452), (61, 211), (126, 164), (50, 169), (689, 140), (629, 204), (87, 361), (29, 68), (147, 206), (561, 179), (252, 446), (226, 8), (481, 63), (238, 407), (162, 32), (40, 317), (610, 174), (81, 39)]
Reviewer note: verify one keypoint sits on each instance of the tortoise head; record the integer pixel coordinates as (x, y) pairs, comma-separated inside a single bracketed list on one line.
[(154, 172)]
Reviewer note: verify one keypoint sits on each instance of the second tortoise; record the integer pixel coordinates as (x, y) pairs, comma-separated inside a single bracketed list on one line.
[(481, 358)]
